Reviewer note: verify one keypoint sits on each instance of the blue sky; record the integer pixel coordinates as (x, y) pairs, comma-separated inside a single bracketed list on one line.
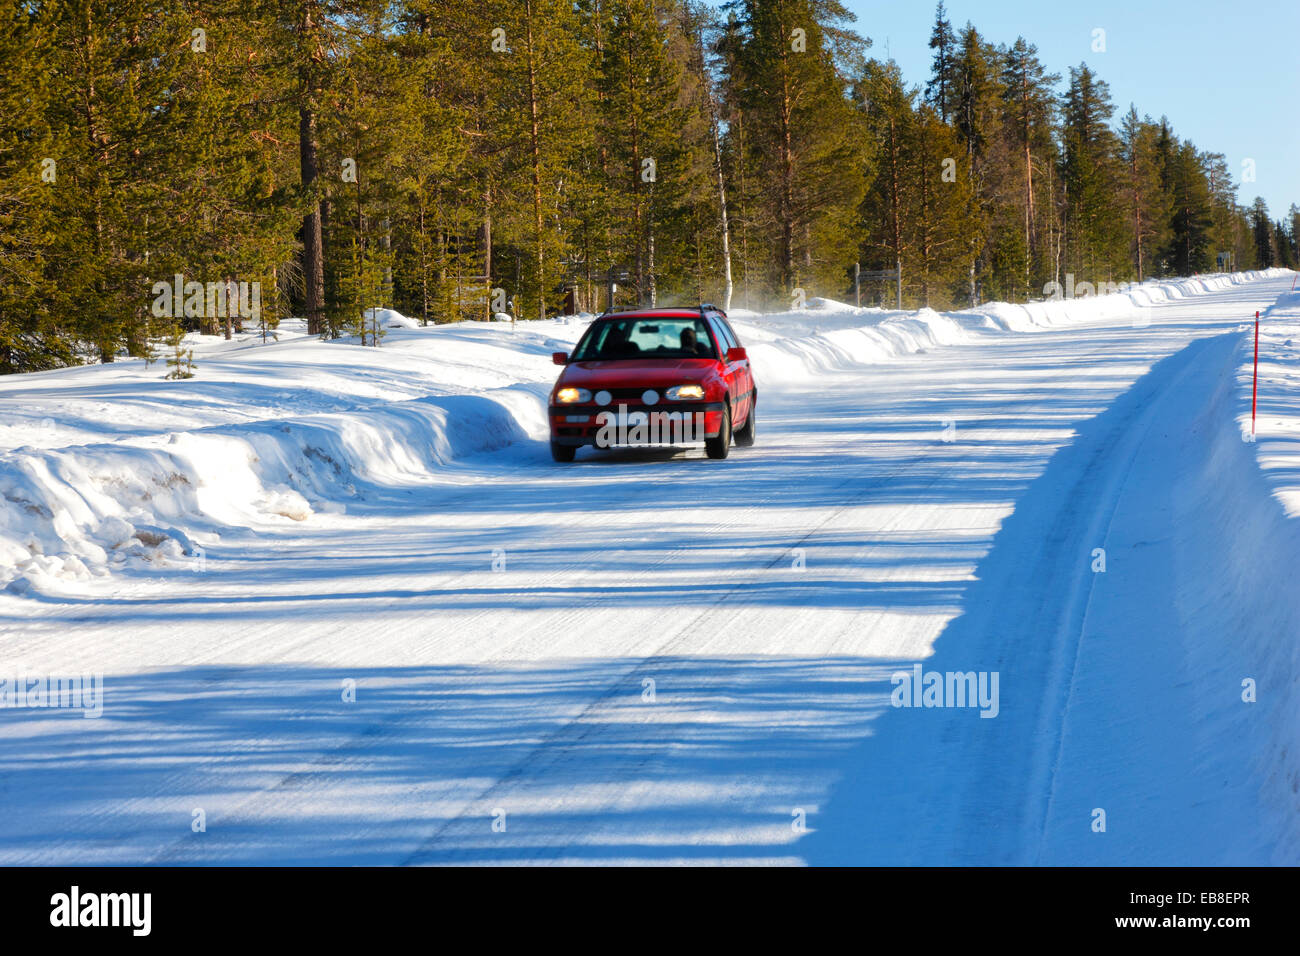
[(1226, 74)]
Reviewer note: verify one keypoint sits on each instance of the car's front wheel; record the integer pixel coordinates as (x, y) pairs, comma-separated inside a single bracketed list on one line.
[(718, 447), (746, 433), (563, 453)]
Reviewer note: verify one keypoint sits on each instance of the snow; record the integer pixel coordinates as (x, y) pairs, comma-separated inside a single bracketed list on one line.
[(926, 489), (76, 499), (1278, 414), (390, 319)]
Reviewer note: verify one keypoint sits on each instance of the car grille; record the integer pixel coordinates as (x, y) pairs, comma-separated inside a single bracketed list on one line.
[(624, 394)]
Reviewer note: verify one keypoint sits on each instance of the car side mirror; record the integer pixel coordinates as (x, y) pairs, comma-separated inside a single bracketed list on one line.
[(560, 358), (737, 354)]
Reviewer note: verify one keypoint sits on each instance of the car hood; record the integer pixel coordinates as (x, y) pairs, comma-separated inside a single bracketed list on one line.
[(632, 372)]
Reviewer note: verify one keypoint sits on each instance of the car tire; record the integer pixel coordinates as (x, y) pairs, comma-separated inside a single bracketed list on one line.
[(745, 436), (563, 453), (718, 447)]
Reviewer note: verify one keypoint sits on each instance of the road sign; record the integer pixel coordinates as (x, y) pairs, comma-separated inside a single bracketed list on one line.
[(895, 273)]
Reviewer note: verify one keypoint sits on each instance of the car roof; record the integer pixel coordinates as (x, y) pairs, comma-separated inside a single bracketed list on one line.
[(659, 314)]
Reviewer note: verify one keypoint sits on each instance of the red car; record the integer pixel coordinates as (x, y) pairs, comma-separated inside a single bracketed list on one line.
[(655, 377)]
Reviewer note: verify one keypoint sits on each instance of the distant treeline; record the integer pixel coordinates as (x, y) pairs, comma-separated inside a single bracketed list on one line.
[(453, 158)]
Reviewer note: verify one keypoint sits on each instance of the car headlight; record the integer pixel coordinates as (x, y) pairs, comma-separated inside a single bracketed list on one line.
[(570, 396), (685, 393)]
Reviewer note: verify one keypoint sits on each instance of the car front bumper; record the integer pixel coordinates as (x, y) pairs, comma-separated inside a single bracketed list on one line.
[(668, 423)]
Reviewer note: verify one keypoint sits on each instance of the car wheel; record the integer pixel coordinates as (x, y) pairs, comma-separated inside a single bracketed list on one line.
[(745, 436), (563, 453), (718, 447)]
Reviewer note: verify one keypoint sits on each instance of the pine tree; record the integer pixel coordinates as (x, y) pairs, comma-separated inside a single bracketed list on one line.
[(939, 221), (113, 103), (642, 123), (1226, 230), (33, 334), (366, 137), (697, 21), (1031, 106), (545, 122), (803, 151), (978, 99), (1091, 177), (309, 45), (230, 202), (978, 93), (435, 155), (886, 207), (442, 155), (1146, 203)]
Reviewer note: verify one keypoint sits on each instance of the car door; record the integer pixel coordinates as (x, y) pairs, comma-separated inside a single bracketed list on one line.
[(747, 370), (736, 373)]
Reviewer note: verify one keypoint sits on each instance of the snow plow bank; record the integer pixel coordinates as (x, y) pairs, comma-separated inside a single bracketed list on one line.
[(152, 498)]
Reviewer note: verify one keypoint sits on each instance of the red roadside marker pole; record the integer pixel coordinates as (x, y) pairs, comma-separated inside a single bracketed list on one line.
[(1254, 385)]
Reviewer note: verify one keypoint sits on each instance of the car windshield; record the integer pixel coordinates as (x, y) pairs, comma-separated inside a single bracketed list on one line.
[(640, 338)]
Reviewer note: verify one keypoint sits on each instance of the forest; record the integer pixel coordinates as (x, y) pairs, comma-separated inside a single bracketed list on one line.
[(453, 159)]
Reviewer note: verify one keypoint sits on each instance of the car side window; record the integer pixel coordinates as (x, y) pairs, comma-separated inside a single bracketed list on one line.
[(723, 334), (731, 333)]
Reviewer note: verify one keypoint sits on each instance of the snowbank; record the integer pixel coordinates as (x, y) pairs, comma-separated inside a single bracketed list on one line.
[(1260, 548), (1128, 303), (72, 514), (108, 465), (118, 467), (790, 346), (1277, 424)]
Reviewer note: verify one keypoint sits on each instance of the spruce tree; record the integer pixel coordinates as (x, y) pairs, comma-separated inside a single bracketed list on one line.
[(1284, 256), (1293, 229), (940, 91), (1262, 230), (1192, 220)]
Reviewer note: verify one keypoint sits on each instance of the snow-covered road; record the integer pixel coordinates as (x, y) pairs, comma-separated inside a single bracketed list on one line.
[(654, 657)]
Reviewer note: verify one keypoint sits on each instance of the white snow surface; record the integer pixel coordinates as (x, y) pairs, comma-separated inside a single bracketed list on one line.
[(651, 656)]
